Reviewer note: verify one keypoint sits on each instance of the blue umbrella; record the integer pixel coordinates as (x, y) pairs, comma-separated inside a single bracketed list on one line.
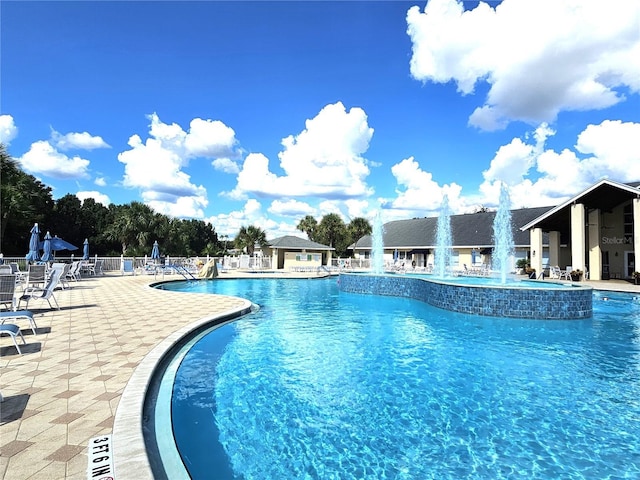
[(47, 256), (59, 244), (155, 251), (34, 245), (85, 249)]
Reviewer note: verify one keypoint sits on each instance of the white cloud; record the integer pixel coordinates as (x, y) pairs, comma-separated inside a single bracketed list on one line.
[(417, 193), (82, 141), (543, 177), (226, 165), (44, 159), (8, 129), (100, 181), (291, 208), (97, 196), (324, 160), (615, 150), (251, 214), (156, 166), (539, 57)]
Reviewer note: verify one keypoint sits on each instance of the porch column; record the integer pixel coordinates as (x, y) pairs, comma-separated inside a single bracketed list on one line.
[(274, 259), (595, 254), (329, 256), (535, 255), (554, 248), (578, 243), (636, 234)]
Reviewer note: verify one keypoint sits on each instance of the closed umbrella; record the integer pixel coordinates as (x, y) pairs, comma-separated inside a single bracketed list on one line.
[(34, 245), (85, 249), (155, 251), (47, 256)]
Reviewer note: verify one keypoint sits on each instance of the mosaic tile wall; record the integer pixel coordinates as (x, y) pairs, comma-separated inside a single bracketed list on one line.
[(518, 302)]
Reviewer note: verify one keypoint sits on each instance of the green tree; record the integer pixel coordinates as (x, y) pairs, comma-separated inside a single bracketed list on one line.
[(24, 200), (333, 232), (308, 225), (358, 228), (133, 226), (249, 237), (66, 221)]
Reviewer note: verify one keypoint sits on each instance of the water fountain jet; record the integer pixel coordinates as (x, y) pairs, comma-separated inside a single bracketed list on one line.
[(503, 235), (444, 240), (377, 245)]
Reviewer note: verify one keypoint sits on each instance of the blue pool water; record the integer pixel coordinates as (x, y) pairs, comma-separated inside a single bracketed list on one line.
[(322, 384)]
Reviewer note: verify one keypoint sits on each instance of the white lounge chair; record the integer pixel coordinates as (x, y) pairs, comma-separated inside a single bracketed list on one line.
[(19, 315), (74, 271), (13, 331), (46, 293), (64, 268)]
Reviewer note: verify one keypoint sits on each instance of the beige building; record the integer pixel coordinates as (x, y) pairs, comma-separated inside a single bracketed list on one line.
[(292, 253), (596, 231)]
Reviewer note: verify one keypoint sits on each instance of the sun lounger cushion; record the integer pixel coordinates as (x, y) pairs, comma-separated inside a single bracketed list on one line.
[(26, 314)]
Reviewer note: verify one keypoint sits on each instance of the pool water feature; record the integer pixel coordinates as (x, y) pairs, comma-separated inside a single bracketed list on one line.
[(321, 383), (481, 296)]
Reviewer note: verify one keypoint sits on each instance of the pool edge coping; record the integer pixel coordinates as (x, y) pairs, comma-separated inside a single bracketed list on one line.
[(130, 457)]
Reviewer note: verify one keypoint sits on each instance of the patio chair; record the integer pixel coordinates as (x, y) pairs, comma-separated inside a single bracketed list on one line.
[(36, 275), (7, 290), (13, 331), (126, 266), (74, 271), (64, 271), (20, 276), (95, 268), (46, 293), (19, 315)]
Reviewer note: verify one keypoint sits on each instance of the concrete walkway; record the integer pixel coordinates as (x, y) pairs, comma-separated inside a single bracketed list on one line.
[(65, 388)]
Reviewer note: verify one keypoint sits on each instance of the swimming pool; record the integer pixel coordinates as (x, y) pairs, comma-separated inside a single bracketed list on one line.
[(326, 384)]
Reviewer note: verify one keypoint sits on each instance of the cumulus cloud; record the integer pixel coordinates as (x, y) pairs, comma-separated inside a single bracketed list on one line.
[(539, 57), (42, 158), (97, 196), (323, 160), (100, 181), (251, 214), (8, 129), (77, 141), (156, 166), (538, 176), (418, 194), (291, 208)]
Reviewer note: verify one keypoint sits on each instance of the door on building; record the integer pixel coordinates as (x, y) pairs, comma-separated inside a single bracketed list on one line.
[(629, 263)]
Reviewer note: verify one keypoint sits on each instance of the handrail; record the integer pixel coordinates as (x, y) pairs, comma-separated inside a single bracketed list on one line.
[(182, 271)]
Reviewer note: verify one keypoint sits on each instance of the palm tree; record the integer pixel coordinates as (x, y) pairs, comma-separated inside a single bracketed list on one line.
[(132, 226), (249, 237), (358, 228), (308, 225), (332, 230)]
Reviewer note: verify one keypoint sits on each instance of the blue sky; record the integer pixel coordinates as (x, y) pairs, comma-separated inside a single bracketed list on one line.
[(260, 113)]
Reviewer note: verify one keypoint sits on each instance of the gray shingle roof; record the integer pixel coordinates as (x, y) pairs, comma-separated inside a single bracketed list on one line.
[(468, 230), (291, 242)]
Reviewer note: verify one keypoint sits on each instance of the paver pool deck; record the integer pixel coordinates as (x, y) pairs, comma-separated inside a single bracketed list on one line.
[(65, 388)]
